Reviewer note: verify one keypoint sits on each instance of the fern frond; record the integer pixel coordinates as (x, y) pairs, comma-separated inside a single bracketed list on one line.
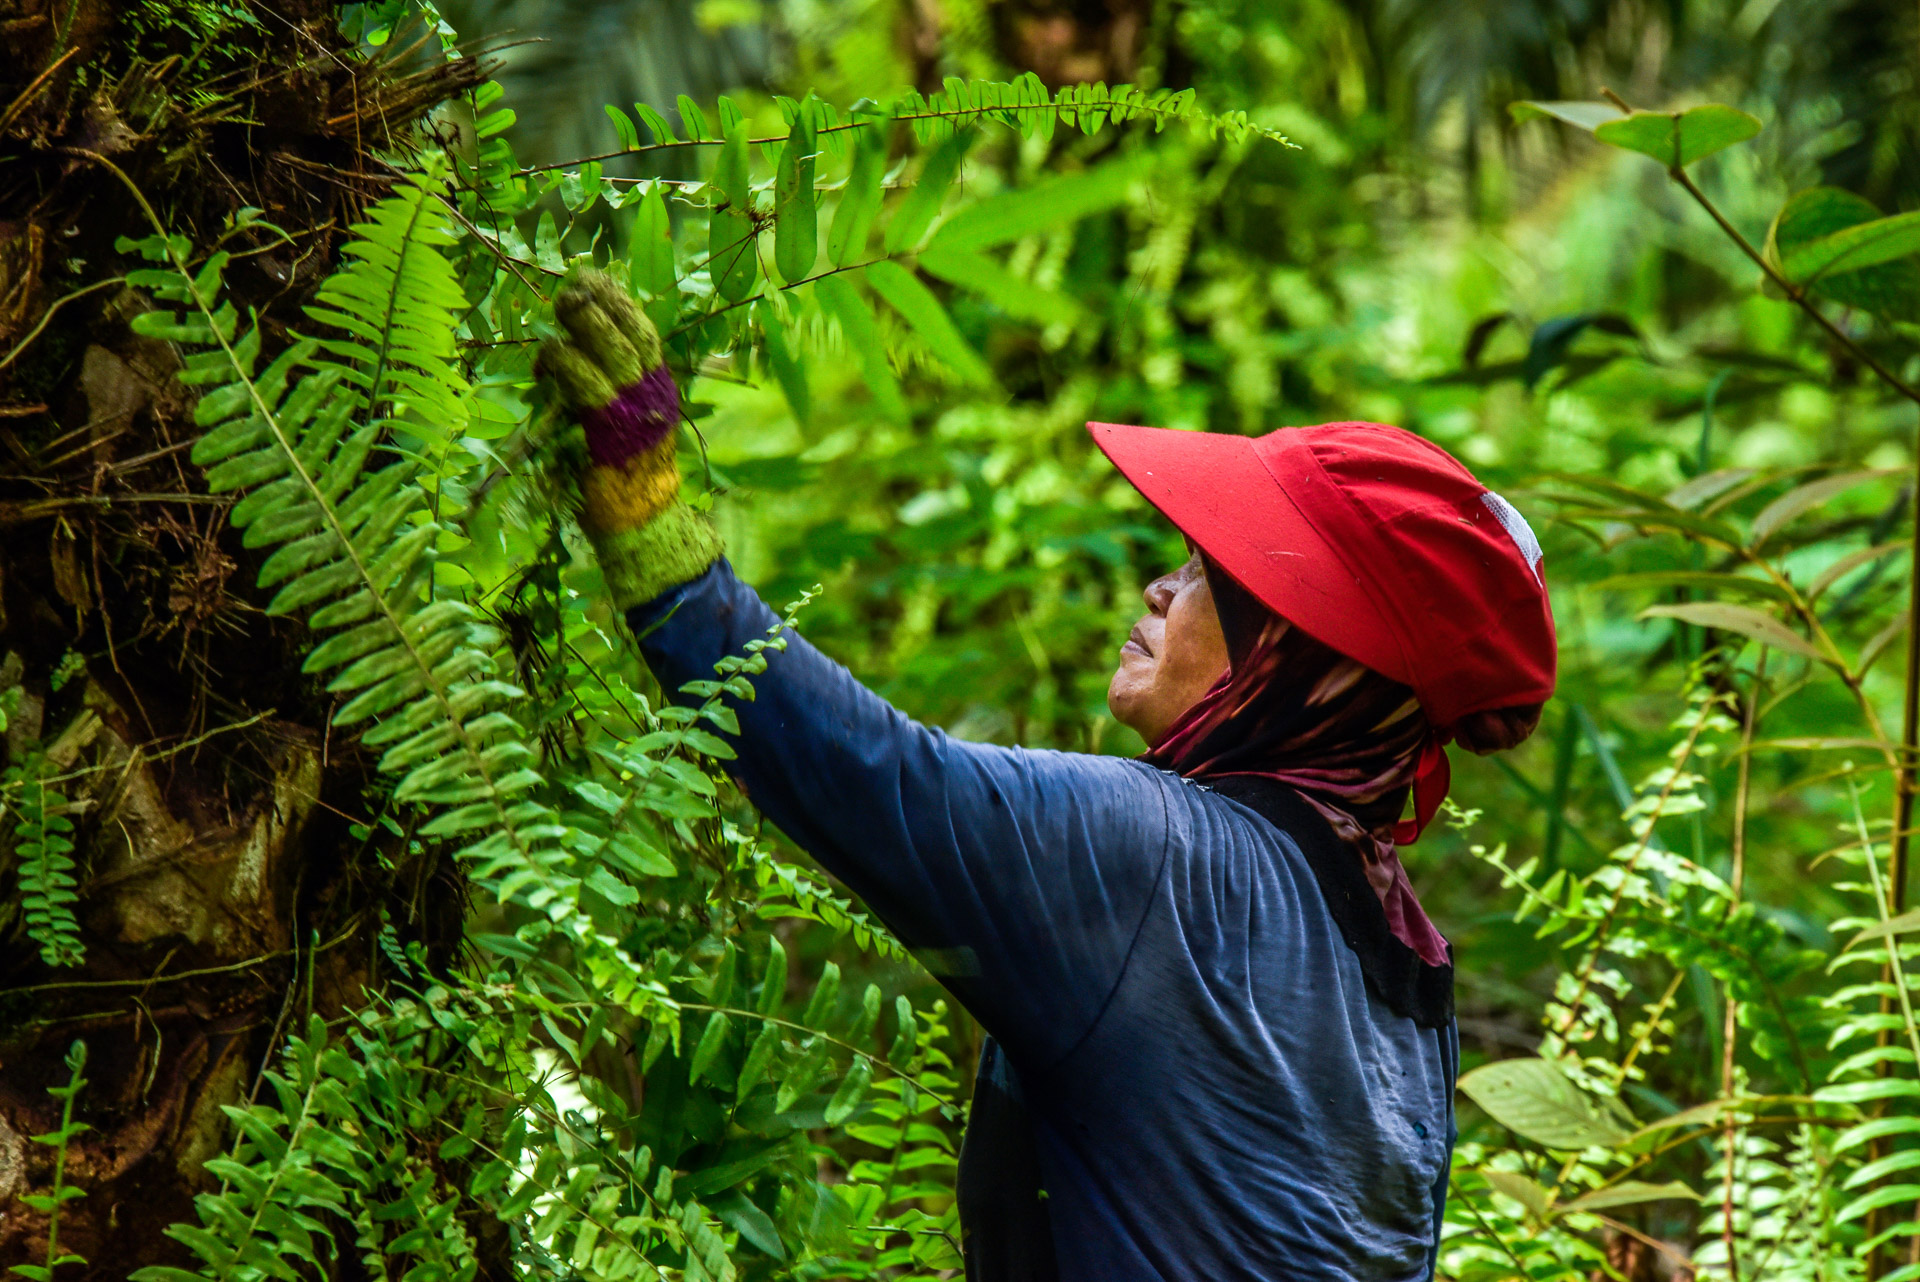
[(312, 438), (1025, 105), (47, 885), (290, 1165)]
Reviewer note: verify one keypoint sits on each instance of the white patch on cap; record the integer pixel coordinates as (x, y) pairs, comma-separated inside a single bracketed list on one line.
[(1517, 529)]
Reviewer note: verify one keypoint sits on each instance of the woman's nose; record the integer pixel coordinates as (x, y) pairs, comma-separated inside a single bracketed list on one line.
[(1159, 594)]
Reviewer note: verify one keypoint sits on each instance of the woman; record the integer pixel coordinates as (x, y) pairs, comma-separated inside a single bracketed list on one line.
[(1222, 1032)]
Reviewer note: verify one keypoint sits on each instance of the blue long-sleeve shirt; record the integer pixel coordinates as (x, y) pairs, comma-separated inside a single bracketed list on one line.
[(1215, 1091)]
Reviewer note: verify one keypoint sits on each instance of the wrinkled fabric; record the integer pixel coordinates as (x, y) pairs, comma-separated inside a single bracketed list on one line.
[(1213, 1089), (1348, 739)]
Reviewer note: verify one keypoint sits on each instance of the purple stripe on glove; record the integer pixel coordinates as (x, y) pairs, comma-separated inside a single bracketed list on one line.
[(638, 419)]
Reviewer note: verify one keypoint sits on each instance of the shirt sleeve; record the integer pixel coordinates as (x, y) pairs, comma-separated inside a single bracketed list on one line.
[(1022, 876)]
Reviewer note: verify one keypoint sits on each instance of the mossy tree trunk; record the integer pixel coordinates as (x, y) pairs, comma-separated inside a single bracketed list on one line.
[(221, 842)]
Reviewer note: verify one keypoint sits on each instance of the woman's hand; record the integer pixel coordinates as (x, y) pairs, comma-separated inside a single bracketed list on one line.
[(610, 371)]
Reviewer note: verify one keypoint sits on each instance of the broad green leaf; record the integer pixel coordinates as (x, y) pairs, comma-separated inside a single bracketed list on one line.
[(1581, 115), (982, 275), (1698, 1115), (693, 120), (1867, 1092), (796, 215), (860, 200), (1674, 138), (759, 1056), (788, 370), (1862, 245), (1536, 1099), (1874, 1171), (1627, 1193), (1700, 580), (900, 1054), (1678, 138), (841, 301), (1889, 1195), (711, 1040), (916, 303), (852, 1089), (1707, 487), (773, 985), (650, 256), (1824, 238), (623, 126), (1878, 1128), (752, 1223), (1877, 643), (826, 995), (1906, 923), (915, 214), (732, 259), (1806, 497), (1851, 562), (1744, 620), (612, 889), (655, 123), (1018, 212), (1528, 1192)]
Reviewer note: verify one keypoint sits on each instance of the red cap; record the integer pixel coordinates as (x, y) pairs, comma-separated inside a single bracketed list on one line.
[(1373, 540)]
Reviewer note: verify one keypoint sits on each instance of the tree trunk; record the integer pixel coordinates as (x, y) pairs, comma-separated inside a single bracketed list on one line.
[(221, 844)]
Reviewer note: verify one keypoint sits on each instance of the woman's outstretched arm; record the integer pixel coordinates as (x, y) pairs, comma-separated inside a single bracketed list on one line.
[(1022, 877), (1022, 874)]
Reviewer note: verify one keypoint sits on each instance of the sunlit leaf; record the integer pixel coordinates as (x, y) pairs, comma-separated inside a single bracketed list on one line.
[(1838, 245), (1744, 620), (1582, 115), (731, 253), (650, 248), (1018, 298), (1528, 1192), (1536, 1099), (1018, 212), (1877, 643), (1708, 486), (1851, 562), (1674, 138), (1698, 580), (1903, 924), (842, 301), (1806, 497), (916, 213), (788, 370), (1627, 1193), (796, 228), (860, 198), (916, 303)]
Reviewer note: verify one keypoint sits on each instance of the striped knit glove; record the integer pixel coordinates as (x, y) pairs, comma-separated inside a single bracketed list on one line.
[(610, 371)]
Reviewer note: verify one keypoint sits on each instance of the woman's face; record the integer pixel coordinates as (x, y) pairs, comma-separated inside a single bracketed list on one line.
[(1172, 656)]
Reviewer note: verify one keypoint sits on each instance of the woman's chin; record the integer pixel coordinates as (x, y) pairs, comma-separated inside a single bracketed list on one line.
[(1126, 702)]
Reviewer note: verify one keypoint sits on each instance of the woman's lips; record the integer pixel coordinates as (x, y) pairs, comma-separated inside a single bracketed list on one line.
[(1135, 641)]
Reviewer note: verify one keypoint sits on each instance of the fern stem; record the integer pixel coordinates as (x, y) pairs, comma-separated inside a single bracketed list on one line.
[(1130, 110), (76, 1060), (386, 331), (1882, 905), (432, 682)]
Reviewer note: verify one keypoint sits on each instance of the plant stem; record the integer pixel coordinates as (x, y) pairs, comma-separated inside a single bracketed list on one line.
[(1910, 726), (1731, 1031)]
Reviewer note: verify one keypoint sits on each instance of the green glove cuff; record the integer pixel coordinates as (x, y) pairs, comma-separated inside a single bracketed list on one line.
[(674, 547)]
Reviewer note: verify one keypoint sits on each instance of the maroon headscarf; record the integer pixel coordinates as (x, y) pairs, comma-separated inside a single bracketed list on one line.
[(1349, 740)]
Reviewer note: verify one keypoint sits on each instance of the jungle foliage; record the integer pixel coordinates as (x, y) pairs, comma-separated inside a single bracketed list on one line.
[(533, 993)]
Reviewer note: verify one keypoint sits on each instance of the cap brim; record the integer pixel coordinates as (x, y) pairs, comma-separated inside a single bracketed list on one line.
[(1218, 492)]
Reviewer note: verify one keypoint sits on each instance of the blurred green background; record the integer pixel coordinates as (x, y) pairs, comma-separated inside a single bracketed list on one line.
[(1537, 303)]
